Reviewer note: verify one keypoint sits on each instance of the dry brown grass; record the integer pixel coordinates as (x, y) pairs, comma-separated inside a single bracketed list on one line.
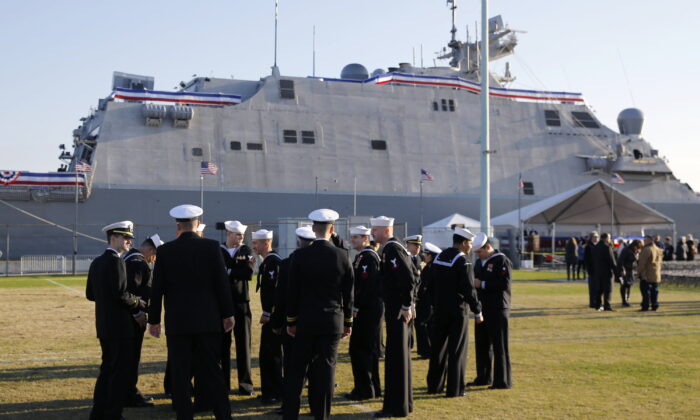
[(568, 362)]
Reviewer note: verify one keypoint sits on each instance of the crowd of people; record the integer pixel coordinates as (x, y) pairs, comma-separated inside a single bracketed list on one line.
[(310, 301), (604, 263)]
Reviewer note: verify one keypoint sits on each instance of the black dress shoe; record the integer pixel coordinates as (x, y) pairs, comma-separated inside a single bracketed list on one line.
[(609, 308), (626, 305), (499, 387), (654, 309), (478, 383), (382, 414), (268, 400), (246, 393)]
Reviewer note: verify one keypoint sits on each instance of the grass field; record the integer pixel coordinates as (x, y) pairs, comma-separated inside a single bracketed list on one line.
[(568, 361)]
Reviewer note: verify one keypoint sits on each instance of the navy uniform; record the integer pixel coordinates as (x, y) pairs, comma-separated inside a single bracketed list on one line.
[(369, 309), (270, 357), (494, 274), (319, 308), (452, 291), (278, 320), (590, 269), (424, 305), (239, 266), (138, 280), (115, 308), (190, 276), (398, 283)]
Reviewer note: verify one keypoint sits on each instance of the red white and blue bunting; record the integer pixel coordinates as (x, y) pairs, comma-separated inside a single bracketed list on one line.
[(199, 98), (45, 179), (406, 79)]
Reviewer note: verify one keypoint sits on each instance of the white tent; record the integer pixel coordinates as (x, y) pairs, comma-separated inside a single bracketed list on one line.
[(595, 203), (440, 232)]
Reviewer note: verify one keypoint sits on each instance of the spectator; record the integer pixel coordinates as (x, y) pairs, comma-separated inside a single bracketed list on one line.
[(571, 258), (649, 269), (590, 268), (657, 242), (681, 249), (668, 249), (605, 271), (626, 266), (580, 266), (692, 249)]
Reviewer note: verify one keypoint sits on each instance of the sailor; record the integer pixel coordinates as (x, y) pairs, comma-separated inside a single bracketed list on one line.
[(367, 317), (319, 314), (278, 321), (138, 279), (424, 306), (270, 357), (239, 262), (413, 246), (115, 312), (452, 290), (493, 275), (398, 283), (191, 276)]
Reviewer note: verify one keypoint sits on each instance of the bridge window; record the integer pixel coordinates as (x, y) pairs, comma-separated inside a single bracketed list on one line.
[(551, 118), (308, 137), (528, 188), (235, 145), (197, 151), (290, 136), (254, 146), (451, 104), (584, 119)]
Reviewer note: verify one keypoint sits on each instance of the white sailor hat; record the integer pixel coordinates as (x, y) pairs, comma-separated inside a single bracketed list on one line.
[(235, 226), (431, 248), (414, 239), (324, 216), (464, 233), (185, 212), (262, 234), (305, 232), (201, 227), (125, 228), (155, 240), (360, 230), (382, 221), (480, 240)]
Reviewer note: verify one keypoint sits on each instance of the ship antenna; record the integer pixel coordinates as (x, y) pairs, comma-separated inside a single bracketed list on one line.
[(274, 67), (453, 7), (313, 70)]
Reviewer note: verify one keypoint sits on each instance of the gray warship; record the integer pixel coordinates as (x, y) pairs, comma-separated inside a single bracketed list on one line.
[(357, 143)]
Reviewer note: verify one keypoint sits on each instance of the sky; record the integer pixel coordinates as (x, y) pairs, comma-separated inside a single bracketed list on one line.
[(58, 57)]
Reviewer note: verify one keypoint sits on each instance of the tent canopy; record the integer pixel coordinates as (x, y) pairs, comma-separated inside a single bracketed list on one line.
[(455, 219), (589, 204)]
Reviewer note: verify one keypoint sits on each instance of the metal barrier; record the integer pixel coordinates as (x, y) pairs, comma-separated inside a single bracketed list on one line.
[(54, 264)]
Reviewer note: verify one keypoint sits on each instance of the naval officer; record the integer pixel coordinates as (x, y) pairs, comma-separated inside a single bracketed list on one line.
[(138, 263), (116, 311), (398, 283), (492, 273), (239, 262), (424, 305), (278, 321), (190, 276), (452, 291), (270, 357), (319, 314), (367, 317)]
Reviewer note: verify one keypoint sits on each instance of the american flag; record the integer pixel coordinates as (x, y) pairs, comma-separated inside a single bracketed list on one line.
[(208, 168), (426, 176), (83, 167), (521, 183), (615, 178)]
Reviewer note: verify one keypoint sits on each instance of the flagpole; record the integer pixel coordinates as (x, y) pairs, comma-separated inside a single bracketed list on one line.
[(520, 220), (612, 210), (421, 206), (75, 224), (485, 198), (201, 191), (354, 197)]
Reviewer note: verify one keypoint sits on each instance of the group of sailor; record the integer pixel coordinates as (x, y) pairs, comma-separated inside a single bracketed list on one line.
[(310, 301)]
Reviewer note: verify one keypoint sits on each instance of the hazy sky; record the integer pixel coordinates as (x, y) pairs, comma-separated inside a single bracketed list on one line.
[(58, 57)]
